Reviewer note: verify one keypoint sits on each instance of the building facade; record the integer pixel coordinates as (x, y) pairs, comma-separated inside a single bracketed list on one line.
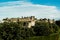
[(28, 21)]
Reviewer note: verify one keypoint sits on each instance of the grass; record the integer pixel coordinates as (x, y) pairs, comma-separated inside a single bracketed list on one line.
[(54, 36)]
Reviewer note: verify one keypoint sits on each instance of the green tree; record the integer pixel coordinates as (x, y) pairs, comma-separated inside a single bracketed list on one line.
[(41, 29), (10, 31)]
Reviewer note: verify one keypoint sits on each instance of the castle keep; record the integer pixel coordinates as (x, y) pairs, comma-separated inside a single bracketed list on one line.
[(27, 21)]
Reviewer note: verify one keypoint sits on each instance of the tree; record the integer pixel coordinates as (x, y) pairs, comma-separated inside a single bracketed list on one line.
[(10, 31), (41, 29), (58, 22)]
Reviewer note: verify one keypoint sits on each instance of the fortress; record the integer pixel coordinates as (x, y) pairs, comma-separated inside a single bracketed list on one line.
[(27, 21)]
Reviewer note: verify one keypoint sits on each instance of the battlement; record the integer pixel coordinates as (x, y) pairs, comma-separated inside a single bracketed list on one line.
[(19, 19), (28, 21)]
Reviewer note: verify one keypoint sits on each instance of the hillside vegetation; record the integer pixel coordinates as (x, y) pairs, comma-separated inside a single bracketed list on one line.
[(41, 31)]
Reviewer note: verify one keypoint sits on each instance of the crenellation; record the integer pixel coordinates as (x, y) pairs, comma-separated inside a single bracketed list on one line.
[(31, 20)]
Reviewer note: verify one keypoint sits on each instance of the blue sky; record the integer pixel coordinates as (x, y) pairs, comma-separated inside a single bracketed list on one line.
[(43, 2), (47, 2), (39, 8), (7, 0)]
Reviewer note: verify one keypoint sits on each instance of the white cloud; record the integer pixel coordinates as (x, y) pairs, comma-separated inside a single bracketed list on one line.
[(21, 8)]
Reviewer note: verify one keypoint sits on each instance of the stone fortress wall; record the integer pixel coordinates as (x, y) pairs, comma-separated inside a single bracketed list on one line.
[(31, 20)]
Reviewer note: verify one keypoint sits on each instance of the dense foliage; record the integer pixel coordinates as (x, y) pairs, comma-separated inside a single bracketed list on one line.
[(58, 22), (15, 31), (44, 29), (9, 31)]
